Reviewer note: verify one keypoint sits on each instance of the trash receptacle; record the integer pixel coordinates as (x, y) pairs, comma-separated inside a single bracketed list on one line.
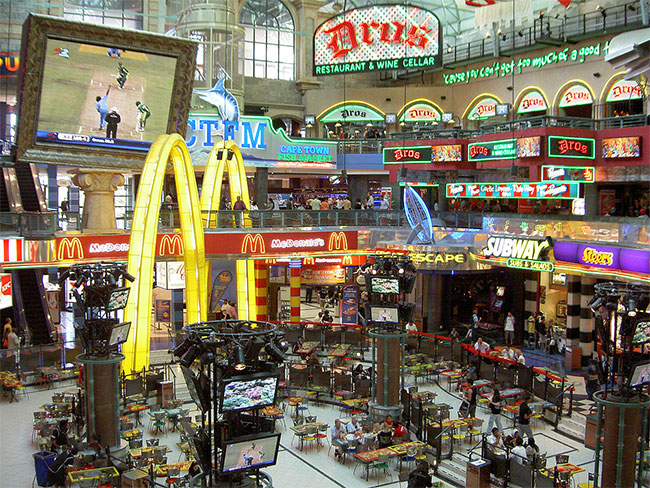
[(42, 461)]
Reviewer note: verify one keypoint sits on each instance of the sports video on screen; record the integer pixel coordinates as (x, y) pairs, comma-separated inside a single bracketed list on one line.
[(249, 454), (103, 96)]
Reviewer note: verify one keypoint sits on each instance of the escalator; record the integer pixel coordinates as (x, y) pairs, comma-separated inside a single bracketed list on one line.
[(31, 304), (31, 193)]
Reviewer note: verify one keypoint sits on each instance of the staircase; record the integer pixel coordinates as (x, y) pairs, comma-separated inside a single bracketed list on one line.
[(453, 470), (573, 427), (33, 314), (30, 188)]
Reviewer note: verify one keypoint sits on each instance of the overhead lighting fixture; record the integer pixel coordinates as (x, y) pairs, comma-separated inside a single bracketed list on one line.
[(189, 357), (449, 48), (274, 352), (240, 358)]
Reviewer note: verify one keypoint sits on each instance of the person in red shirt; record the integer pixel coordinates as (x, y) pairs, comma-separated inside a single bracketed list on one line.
[(400, 434), (389, 421)]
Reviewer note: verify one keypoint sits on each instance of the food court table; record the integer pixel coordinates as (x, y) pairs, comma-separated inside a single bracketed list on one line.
[(369, 457), (94, 474), (451, 376), (403, 448), (130, 434), (136, 453), (9, 384), (161, 470), (569, 468), (308, 347), (302, 429), (356, 402), (340, 350), (136, 409), (506, 394)]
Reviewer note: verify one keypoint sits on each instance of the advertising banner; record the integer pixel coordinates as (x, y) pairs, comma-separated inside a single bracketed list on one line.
[(171, 275), (163, 311), (483, 109), (377, 37), (261, 145), (624, 90), (411, 154), (576, 95), (5, 291), (9, 64), (571, 147), (322, 275), (578, 174), (349, 304), (622, 147), (447, 152), (524, 147), (513, 190), (608, 257), (353, 113), (224, 284), (420, 112)]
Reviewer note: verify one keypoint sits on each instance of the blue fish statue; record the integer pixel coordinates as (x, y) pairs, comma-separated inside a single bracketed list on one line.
[(418, 217), (222, 99)]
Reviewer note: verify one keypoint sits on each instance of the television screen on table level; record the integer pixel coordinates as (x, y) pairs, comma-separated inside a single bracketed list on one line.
[(250, 453), (640, 374), (384, 314), (248, 392), (384, 285)]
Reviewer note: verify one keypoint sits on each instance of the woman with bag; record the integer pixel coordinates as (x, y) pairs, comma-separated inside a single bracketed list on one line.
[(495, 410)]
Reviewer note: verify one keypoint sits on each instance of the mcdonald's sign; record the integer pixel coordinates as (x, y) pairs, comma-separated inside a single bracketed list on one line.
[(171, 244), (253, 241), (347, 260), (338, 241), (308, 260), (69, 248)]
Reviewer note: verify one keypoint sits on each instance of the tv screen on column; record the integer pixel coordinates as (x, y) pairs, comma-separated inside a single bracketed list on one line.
[(92, 94)]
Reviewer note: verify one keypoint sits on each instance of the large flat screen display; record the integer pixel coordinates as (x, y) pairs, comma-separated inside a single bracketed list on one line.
[(118, 299), (104, 96), (622, 147), (384, 314), (384, 285), (248, 392), (641, 333), (250, 452), (119, 333), (640, 374)]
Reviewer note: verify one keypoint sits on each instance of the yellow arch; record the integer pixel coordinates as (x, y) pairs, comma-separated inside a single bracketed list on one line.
[(416, 101), (142, 245), (526, 91), (567, 85), (477, 99), (225, 155)]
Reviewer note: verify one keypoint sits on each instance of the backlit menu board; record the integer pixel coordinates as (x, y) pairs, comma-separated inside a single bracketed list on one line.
[(537, 190), (447, 152), (622, 147), (578, 174), (524, 147)]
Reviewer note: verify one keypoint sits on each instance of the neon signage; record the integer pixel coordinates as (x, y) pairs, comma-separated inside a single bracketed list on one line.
[(578, 174), (571, 147), (533, 101), (9, 64), (499, 70), (415, 154), (485, 108), (520, 253), (420, 112), (576, 94), (504, 149), (378, 37), (538, 190), (609, 257), (352, 113), (624, 90)]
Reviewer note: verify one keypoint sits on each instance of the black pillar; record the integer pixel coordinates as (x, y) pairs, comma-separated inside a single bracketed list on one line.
[(261, 187)]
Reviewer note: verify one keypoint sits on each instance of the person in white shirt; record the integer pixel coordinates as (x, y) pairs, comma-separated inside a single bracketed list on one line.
[(518, 453), (509, 329), (508, 353), (521, 359), (353, 425), (411, 327), (495, 440), (481, 347)]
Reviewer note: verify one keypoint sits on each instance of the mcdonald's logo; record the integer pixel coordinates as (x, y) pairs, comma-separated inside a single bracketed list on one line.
[(338, 242), (253, 240), (308, 260), (171, 242), (70, 248), (347, 260)]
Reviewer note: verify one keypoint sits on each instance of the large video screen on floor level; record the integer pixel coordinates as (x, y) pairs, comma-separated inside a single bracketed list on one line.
[(249, 453), (248, 392), (103, 96)]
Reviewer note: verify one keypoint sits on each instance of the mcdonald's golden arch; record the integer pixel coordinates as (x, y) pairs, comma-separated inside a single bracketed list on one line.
[(251, 243), (69, 248), (171, 244), (338, 242), (224, 156)]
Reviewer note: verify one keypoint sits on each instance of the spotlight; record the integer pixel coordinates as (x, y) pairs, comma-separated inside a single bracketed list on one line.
[(520, 34), (274, 353), (128, 276), (189, 357), (240, 358), (80, 281), (449, 49), (631, 307), (595, 303), (541, 15)]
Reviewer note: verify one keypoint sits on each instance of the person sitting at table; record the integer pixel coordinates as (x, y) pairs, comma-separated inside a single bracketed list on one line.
[(353, 425), (532, 450), (358, 370), (60, 435), (385, 437), (389, 421), (420, 477), (519, 452), (507, 353), (400, 434), (481, 346), (56, 475), (521, 359), (313, 359), (495, 438), (297, 345), (338, 438), (367, 439), (510, 440)]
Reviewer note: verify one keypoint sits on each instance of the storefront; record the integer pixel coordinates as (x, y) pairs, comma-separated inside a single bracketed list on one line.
[(575, 99), (623, 97), (419, 114), (352, 120)]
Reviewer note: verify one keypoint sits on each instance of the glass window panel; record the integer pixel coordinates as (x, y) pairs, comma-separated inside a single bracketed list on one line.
[(272, 36), (286, 54), (272, 70), (248, 34), (248, 68), (260, 35), (260, 69), (286, 38), (286, 71), (260, 52), (248, 50), (272, 53)]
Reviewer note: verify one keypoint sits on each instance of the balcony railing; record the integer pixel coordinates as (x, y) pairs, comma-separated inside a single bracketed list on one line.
[(32, 225)]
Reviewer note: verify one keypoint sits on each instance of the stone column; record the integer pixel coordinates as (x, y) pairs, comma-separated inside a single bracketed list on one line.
[(99, 208)]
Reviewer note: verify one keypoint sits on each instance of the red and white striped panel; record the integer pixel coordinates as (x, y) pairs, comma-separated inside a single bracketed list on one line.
[(11, 250)]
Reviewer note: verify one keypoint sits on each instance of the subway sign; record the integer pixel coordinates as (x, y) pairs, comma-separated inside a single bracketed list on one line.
[(260, 143), (411, 154), (378, 37), (571, 147), (529, 254)]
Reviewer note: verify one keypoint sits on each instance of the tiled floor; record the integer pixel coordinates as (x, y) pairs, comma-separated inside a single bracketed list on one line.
[(312, 467)]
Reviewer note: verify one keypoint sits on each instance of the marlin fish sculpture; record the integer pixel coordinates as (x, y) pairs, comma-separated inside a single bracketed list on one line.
[(221, 98)]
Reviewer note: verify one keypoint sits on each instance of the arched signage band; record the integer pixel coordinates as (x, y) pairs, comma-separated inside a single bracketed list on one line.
[(142, 251)]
